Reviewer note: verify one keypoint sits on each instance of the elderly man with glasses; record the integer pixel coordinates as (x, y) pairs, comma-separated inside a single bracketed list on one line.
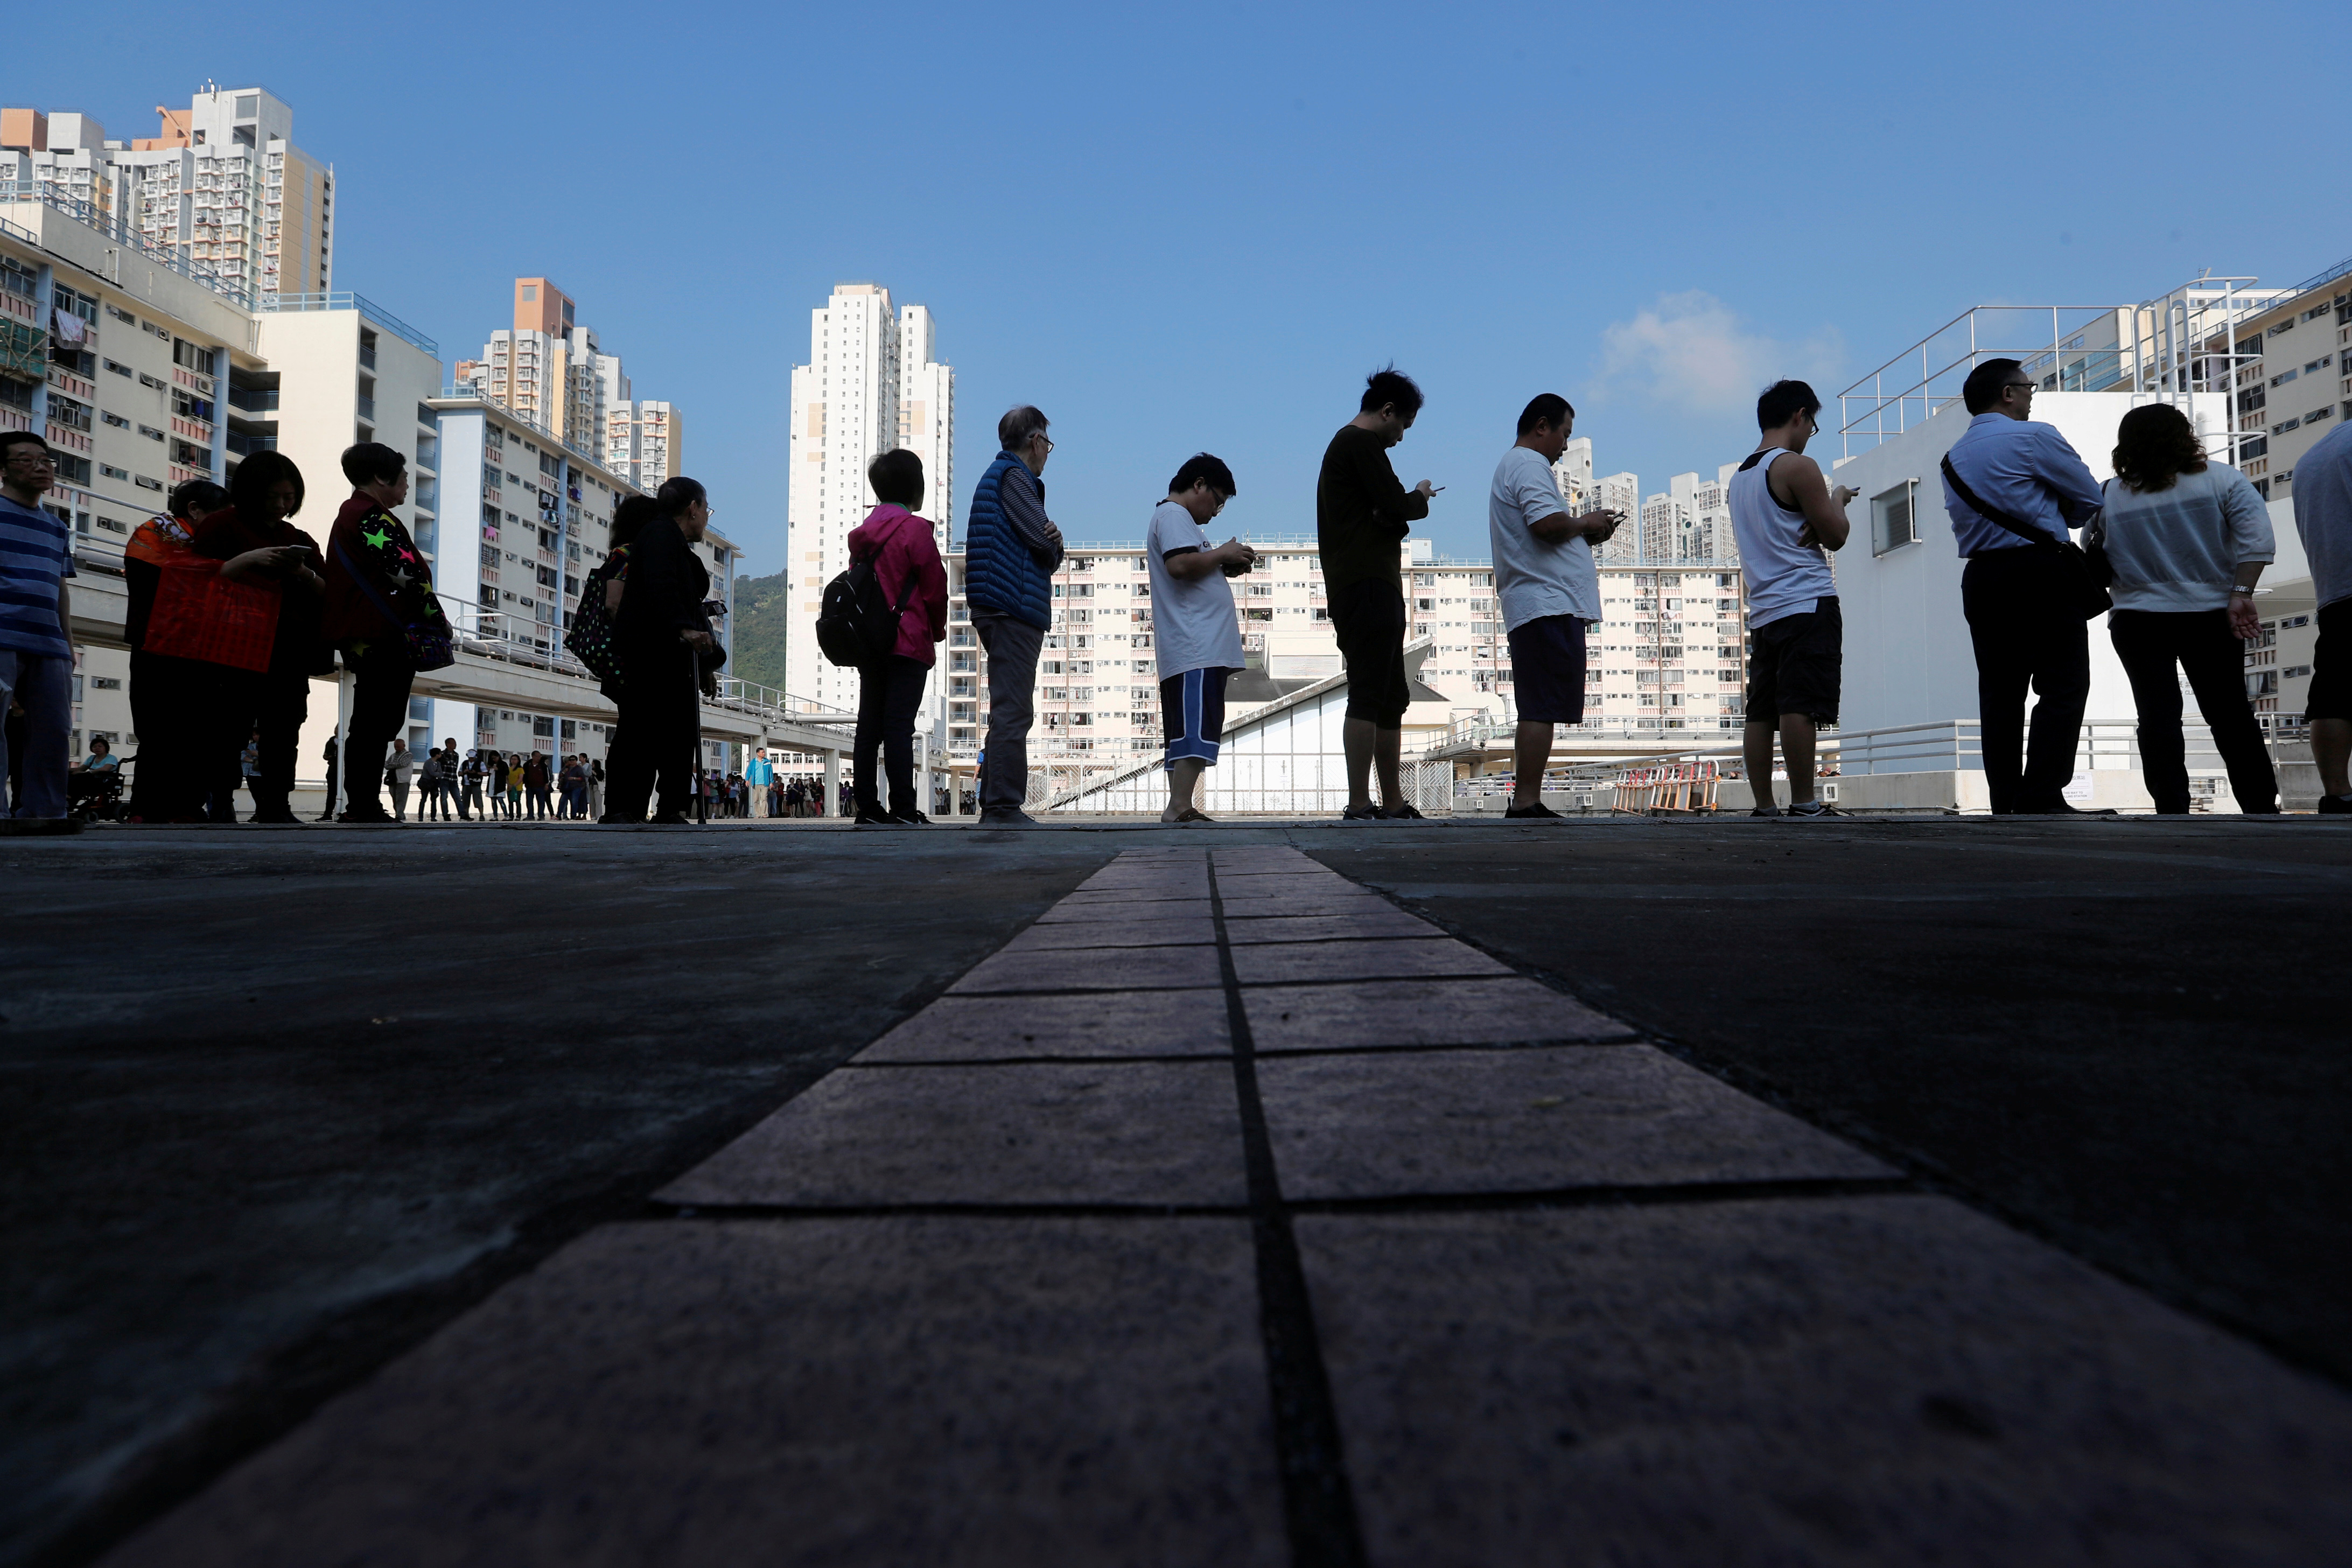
[(35, 636), (1012, 550), (2013, 490)]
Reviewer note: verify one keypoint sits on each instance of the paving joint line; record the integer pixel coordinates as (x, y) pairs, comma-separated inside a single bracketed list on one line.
[(1497, 1201), (1318, 1498)]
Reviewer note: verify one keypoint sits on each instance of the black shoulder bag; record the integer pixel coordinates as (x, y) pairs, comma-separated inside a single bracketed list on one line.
[(2086, 580)]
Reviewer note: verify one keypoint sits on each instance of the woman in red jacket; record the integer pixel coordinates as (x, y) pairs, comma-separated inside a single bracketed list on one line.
[(890, 689)]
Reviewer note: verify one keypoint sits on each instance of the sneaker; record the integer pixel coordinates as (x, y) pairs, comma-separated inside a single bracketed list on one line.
[(1404, 813), (1538, 809), (1006, 817), (1360, 814), (910, 818), (1765, 811), (673, 819), (874, 816), (2336, 805), (1815, 808), (1189, 814), (377, 818)]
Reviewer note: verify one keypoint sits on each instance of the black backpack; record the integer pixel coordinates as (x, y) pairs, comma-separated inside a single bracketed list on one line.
[(858, 625)]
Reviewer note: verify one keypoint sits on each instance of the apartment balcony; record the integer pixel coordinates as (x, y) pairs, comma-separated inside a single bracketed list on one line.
[(71, 439), (72, 385), (192, 429)]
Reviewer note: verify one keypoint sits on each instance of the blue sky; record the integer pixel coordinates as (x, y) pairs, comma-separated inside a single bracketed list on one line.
[(1178, 228)]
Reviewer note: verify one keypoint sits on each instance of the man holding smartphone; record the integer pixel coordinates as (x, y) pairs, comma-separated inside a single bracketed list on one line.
[(1549, 588)]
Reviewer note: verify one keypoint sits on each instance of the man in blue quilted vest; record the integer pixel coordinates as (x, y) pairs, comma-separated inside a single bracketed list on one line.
[(1011, 550)]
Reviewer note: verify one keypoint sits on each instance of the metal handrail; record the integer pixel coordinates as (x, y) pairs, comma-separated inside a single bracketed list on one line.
[(342, 300), (91, 216)]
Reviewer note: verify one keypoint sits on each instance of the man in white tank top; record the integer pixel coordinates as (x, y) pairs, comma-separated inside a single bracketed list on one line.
[(1786, 516)]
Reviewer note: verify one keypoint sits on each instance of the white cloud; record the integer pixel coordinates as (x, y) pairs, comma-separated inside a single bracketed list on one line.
[(1690, 351)]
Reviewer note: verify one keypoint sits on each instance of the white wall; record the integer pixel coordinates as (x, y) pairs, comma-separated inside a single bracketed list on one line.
[(1908, 656)]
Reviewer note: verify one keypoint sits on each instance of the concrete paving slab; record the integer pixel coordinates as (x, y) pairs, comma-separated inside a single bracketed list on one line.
[(1051, 1132), (1340, 899), (1539, 1120), (1084, 969), (1864, 1381), (1114, 1024), (1418, 1012), (987, 1392), (1388, 921), (1106, 898), (1066, 911), (1378, 958), (1109, 933)]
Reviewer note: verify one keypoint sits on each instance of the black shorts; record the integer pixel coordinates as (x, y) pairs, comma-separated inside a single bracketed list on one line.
[(1368, 619), (1192, 714), (1796, 665), (1548, 669), (2330, 696)]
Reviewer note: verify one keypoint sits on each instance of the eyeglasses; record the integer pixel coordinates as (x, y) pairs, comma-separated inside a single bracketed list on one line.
[(1041, 435), (2028, 385), (34, 456)]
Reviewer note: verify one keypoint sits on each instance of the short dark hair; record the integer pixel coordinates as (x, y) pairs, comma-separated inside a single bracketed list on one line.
[(1012, 431), (373, 463), (2154, 445), (1982, 389), (1202, 466), (630, 518), (677, 495), (13, 437), (1546, 408), (196, 497), (1784, 401), (896, 477), (257, 473), (1389, 385)]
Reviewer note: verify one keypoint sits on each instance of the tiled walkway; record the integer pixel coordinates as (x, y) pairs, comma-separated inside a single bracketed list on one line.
[(1231, 1215)]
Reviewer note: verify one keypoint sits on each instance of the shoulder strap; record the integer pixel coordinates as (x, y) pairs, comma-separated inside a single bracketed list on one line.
[(2026, 531)]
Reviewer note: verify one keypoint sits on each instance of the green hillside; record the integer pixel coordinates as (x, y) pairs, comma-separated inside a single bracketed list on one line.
[(757, 643)]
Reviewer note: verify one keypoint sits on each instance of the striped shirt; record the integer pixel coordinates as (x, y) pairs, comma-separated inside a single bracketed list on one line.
[(35, 553)]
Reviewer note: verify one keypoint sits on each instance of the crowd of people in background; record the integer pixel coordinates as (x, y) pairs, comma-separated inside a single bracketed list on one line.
[(233, 610)]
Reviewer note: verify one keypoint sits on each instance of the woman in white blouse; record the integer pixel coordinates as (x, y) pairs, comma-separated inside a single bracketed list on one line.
[(2187, 538)]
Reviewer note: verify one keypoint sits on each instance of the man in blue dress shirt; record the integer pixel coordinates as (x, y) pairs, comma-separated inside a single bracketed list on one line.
[(2024, 614)]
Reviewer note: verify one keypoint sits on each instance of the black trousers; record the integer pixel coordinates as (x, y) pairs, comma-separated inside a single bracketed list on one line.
[(281, 703), (228, 717), (170, 698), (661, 715), (889, 690), (2150, 643), (2027, 630), (381, 678)]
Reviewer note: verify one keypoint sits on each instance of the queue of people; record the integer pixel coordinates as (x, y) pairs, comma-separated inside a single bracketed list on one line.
[(233, 609)]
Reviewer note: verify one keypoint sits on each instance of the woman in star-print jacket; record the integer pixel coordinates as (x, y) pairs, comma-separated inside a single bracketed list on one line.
[(378, 585)]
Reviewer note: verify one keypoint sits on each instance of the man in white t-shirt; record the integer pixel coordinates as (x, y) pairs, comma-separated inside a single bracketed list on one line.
[(1549, 587), (1786, 516), (1194, 630)]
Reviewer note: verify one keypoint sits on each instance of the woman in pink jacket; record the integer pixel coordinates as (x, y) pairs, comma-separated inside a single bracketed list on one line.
[(889, 689)]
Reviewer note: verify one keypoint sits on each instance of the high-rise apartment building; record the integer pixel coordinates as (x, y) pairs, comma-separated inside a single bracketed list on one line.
[(549, 368), (873, 382), (221, 185), (642, 441)]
